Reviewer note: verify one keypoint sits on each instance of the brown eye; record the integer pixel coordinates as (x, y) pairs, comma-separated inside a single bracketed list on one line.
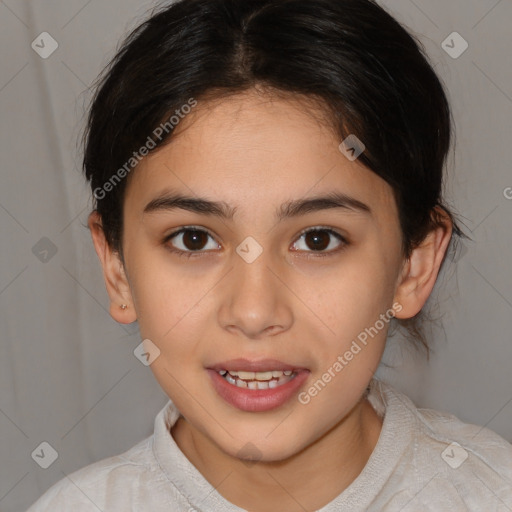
[(317, 240), (194, 240), (189, 240), (321, 240)]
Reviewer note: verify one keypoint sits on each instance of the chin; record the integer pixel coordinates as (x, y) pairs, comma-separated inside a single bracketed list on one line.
[(254, 451)]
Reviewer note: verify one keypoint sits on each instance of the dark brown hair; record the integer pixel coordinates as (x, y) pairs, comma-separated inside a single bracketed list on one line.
[(369, 73)]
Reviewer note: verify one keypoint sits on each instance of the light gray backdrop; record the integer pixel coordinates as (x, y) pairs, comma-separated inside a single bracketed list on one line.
[(68, 375)]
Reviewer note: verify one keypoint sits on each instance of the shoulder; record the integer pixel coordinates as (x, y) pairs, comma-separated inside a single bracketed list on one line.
[(92, 487), (463, 445), (453, 462)]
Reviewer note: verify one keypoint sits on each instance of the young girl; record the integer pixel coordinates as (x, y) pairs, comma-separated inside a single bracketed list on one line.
[(268, 184)]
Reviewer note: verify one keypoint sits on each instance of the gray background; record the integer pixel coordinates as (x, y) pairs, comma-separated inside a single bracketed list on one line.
[(68, 375)]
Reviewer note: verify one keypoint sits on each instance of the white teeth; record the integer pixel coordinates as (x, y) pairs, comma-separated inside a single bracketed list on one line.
[(258, 380), (263, 375), (243, 375), (259, 376)]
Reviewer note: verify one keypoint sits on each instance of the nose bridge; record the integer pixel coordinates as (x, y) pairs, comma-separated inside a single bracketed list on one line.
[(256, 300)]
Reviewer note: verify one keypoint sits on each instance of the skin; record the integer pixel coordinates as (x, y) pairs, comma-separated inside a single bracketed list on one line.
[(255, 152)]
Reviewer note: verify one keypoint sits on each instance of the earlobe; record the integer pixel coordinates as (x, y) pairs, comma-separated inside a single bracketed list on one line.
[(116, 282), (420, 271)]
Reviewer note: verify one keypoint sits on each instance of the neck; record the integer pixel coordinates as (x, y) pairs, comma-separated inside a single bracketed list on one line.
[(306, 481)]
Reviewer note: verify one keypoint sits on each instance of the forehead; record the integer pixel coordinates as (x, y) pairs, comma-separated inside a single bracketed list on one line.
[(255, 150)]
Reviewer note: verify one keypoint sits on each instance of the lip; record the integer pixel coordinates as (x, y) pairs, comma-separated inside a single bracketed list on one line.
[(247, 365), (257, 400)]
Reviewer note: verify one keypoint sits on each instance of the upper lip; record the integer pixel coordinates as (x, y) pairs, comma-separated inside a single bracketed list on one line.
[(260, 365)]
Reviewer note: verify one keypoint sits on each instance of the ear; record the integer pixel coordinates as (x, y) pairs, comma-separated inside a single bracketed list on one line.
[(116, 282), (420, 271)]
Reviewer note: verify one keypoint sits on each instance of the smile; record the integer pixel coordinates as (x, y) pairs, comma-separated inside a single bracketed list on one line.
[(257, 391), (258, 380)]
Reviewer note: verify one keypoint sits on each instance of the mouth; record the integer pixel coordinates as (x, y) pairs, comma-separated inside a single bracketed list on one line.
[(256, 386)]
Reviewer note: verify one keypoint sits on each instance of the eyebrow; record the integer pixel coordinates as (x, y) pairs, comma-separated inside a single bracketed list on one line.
[(169, 201)]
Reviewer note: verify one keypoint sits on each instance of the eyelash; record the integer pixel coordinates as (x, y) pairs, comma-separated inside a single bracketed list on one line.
[(310, 254)]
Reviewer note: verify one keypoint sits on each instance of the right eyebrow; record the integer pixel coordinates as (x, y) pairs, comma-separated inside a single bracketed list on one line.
[(168, 202)]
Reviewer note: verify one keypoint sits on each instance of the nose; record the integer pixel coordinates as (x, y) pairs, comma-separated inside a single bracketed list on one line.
[(256, 301)]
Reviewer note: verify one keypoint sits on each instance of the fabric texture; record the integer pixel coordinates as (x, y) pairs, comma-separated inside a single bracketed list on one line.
[(424, 460)]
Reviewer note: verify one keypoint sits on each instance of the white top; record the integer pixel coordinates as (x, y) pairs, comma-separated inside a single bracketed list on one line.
[(413, 468)]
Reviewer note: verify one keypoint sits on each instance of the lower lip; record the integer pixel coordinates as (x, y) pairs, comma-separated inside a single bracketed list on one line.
[(257, 400)]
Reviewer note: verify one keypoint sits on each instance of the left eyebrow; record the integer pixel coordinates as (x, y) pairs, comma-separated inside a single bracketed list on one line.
[(295, 208)]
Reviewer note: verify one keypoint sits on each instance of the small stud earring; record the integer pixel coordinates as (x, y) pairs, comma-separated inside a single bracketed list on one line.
[(123, 306)]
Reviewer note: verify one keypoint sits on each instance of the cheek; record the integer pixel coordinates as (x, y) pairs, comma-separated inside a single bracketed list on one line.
[(352, 295), (172, 312), (167, 296), (334, 302), (350, 302)]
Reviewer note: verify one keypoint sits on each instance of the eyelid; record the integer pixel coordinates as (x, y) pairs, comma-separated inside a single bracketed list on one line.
[(321, 227), (187, 228)]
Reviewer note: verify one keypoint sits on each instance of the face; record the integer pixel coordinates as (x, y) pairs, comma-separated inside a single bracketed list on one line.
[(265, 280)]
